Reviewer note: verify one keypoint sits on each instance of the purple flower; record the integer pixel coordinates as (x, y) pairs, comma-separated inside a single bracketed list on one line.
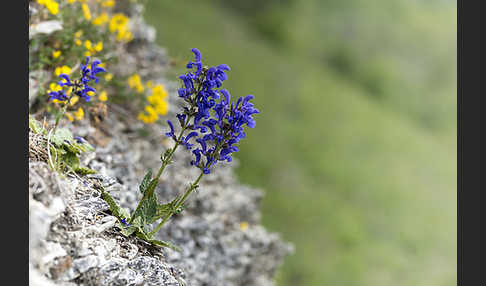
[(209, 111), (81, 86), (78, 139), (67, 81), (124, 221), (59, 95), (171, 133), (186, 140)]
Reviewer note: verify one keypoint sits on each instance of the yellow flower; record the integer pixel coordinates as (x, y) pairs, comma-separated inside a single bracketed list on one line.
[(86, 11), (162, 107), (159, 90), (71, 1), (108, 76), (154, 100), (78, 42), (103, 96), (78, 34), (87, 54), (74, 100), (101, 19), (63, 69), (243, 225), (54, 87), (124, 34), (88, 45), (98, 47), (135, 82), (68, 92), (140, 88), (150, 110), (151, 117), (69, 116), (119, 24), (79, 114), (90, 93), (108, 3), (118, 20), (149, 84), (51, 5), (142, 117), (56, 54)]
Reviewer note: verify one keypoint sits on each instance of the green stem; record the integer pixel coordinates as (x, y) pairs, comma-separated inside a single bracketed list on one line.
[(165, 162), (58, 118), (178, 205)]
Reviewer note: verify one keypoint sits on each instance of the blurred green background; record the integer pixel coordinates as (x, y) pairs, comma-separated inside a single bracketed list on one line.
[(355, 145)]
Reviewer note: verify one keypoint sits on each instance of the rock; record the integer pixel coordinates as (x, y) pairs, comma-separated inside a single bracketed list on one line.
[(46, 27), (53, 250), (84, 264)]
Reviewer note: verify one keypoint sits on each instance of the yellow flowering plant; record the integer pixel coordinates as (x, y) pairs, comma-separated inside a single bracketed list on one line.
[(90, 28), (157, 98)]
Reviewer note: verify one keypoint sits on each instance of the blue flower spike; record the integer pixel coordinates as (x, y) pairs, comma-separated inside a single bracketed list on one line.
[(80, 86), (217, 124)]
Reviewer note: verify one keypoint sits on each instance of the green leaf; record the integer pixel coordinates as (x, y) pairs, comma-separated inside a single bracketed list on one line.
[(151, 188), (114, 208), (165, 155), (84, 147), (145, 182), (170, 245), (147, 210), (125, 230), (36, 126), (71, 159), (148, 205), (124, 213), (61, 135), (165, 244), (84, 171), (164, 210)]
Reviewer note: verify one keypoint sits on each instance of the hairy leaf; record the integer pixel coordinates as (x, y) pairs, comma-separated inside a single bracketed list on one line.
[(78, 148), (84, 171), (71, 159), (36, 126), (61, 135), (147, 210), (151, 187), (125, 230), (165, 209), (124, 213), (145, 182), (170, 245), (165, 244), (114, 208)]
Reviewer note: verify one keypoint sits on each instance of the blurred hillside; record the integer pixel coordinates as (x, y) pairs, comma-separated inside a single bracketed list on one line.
[(355, 145)]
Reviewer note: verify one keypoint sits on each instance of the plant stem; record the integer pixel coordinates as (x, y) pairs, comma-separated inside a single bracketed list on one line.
[(165, 162), (178, 205), (58, 118)]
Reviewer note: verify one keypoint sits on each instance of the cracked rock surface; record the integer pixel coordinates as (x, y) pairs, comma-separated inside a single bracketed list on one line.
[(72, 237)]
